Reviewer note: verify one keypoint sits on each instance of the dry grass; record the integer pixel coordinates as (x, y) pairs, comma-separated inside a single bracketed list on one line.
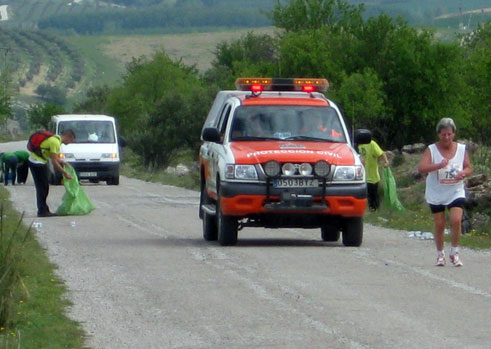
[(194, 48)]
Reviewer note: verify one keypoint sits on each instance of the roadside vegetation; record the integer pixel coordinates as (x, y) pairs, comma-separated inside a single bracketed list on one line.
[(32, 297)]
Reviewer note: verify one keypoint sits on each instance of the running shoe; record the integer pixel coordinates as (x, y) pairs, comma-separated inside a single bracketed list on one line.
[(456, 260), (440, 261)]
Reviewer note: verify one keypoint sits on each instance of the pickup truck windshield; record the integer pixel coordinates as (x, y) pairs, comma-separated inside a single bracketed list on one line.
[(89, 131), (286, 123)]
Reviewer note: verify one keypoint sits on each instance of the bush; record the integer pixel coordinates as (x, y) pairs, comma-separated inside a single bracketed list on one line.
[(398, 160)]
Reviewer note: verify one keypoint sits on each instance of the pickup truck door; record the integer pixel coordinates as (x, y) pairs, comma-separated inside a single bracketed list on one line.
[(216, 150)]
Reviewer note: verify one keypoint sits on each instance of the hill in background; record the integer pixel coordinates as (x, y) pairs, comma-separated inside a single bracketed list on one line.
[(170, 16), (66, 47)]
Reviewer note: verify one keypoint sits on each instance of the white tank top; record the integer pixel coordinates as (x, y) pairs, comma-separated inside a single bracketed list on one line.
[(441, 186)]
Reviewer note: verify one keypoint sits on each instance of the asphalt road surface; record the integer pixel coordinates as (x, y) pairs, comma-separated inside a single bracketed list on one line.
[(141, 276)]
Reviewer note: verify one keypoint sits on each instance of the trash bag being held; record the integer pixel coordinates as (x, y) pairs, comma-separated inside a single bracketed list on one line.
[(390, 191), (74, 201)]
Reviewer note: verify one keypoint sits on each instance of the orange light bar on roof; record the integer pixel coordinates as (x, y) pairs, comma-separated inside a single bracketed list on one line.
[(311, 84), (257, 85), (245, 84)]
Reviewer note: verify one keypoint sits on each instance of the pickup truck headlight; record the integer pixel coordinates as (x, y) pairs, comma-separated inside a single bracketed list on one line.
[(349, 173), (241, 172)]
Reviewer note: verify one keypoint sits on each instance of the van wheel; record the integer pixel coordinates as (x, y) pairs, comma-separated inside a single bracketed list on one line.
[(227, 227), (113, 181), (352, 231)]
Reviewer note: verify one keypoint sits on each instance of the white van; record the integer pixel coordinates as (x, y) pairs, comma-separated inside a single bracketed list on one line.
[(95, 153)]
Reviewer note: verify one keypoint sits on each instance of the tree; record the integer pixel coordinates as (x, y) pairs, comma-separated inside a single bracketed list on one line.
[(160, 108), (421, 77), (51, 94), (308, 54), (39, 115), (5, 97), (95, 102), (477, 74), (363, 101), (250, 55), (301, 15)]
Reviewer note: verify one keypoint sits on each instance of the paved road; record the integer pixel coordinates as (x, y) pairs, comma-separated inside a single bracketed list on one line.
[(141, 276)]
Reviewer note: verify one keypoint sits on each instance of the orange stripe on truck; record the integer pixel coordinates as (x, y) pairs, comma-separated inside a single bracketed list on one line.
[(243, 205)]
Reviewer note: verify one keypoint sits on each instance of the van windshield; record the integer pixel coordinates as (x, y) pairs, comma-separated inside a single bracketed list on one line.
[(89, 131)]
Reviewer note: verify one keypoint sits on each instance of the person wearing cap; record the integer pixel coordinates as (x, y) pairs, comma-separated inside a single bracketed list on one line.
[(13, 163), (446, 164), (38, 165), (371, 153)]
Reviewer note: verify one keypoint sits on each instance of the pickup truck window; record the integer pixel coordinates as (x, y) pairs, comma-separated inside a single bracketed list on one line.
[(222, 123), (287, 122)]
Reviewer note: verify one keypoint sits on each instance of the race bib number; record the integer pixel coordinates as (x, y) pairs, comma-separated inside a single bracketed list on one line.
[(447, 174)]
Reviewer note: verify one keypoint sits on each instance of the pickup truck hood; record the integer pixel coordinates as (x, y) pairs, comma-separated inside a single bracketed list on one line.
[(292, 151)]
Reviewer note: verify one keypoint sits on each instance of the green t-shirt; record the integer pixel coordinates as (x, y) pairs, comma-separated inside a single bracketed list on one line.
[(370, 153), (49, 146), (22, 155), (4, 157)]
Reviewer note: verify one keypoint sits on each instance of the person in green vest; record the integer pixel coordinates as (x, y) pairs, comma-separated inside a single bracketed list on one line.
[(14, 166), (371, 153)]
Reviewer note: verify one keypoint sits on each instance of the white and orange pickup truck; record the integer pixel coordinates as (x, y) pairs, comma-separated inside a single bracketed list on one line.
[(277, 153)]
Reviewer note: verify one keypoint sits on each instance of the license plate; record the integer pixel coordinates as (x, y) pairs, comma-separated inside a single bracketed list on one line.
[(88, 174), (295, 183)]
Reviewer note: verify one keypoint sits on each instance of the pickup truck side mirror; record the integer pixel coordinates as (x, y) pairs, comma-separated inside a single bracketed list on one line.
[(211, 134), (363, 136)]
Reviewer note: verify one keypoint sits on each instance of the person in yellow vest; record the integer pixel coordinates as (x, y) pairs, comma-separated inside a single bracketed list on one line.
[(38, 165), (371, 154)]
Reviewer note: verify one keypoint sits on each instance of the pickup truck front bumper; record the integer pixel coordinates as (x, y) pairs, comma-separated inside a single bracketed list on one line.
[(245, 199)]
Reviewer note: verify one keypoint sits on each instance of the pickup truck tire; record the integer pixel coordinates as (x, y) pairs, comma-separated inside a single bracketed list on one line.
[(227, 227), (210, 230), (352, 231), (330, 232)]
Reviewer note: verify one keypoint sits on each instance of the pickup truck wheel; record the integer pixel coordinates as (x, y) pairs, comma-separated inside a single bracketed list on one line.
[(352, 231), (227, 228), (330, 232), (210, 230)]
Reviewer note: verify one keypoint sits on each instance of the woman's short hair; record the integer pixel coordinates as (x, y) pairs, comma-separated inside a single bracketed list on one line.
[(445, 122)]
